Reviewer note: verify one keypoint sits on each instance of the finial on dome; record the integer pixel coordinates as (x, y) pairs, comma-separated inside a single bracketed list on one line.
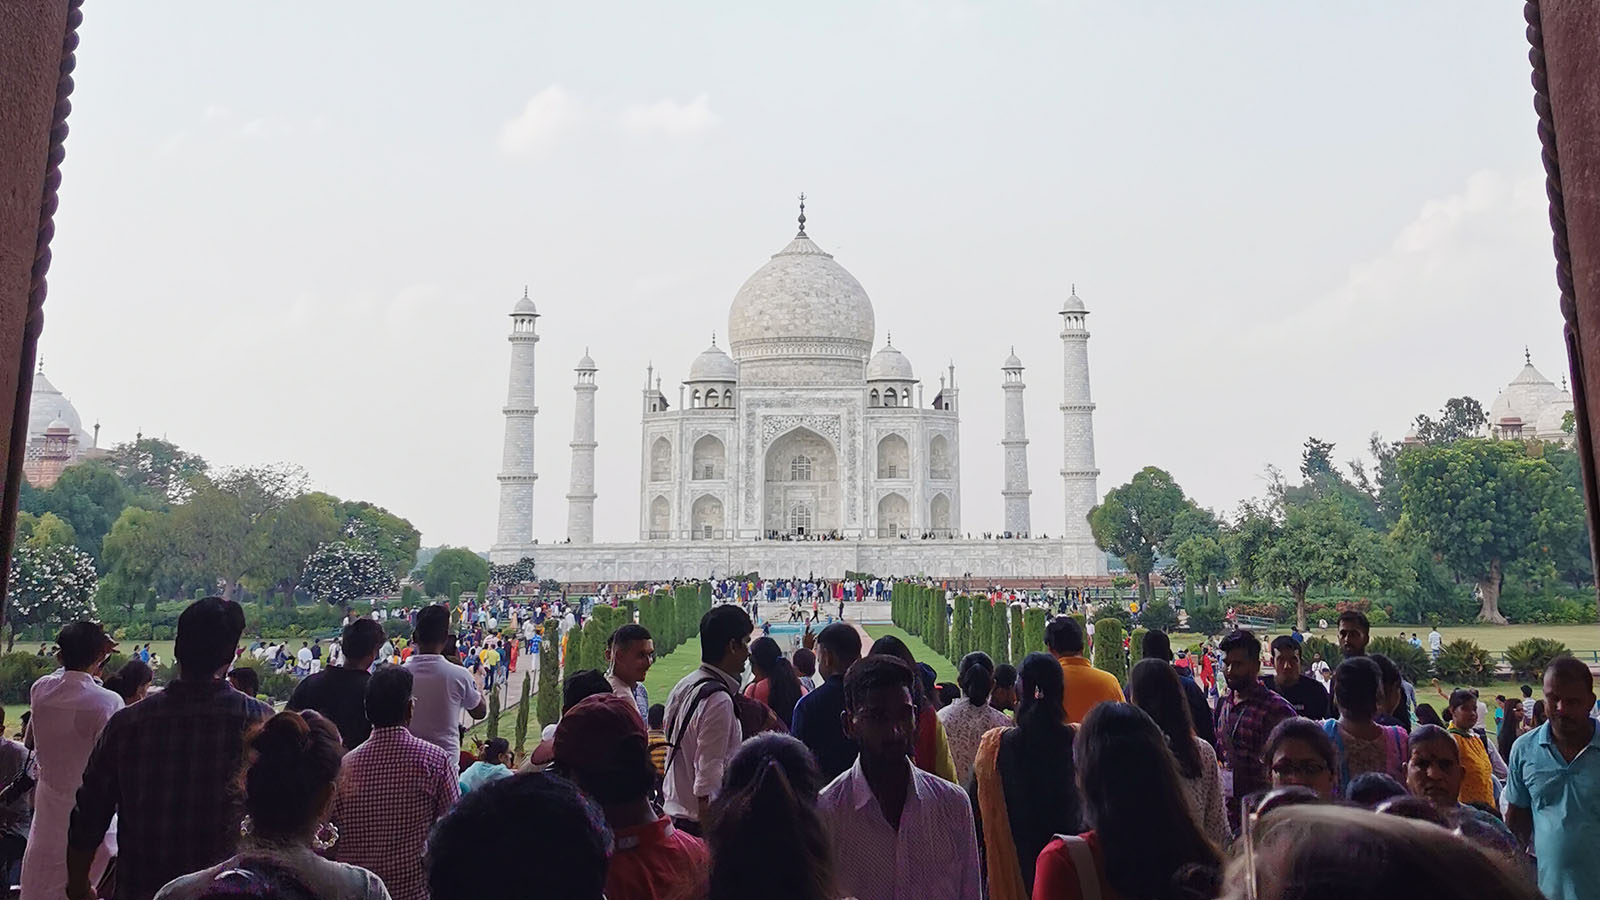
[(525, 293), (41, 364), (713, 338), (1527, 356), (802, 215), (888, 339)]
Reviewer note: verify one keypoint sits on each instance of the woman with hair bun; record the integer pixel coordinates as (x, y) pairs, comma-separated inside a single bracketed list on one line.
[(291, 764), (967, 719), (764, 827)]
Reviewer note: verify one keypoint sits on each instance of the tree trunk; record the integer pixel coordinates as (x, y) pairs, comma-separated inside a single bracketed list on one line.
[(1145, 591), (1299, 592), (1489, 588)]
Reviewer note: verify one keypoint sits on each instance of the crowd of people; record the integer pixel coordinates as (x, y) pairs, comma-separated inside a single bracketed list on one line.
[(838, 770)]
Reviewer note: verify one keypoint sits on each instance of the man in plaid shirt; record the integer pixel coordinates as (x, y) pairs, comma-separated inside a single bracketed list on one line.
[(391, 791), (167, 765), (1244, 721)]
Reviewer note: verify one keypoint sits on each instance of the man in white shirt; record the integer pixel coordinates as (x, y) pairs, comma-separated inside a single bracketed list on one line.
[(896, 830), (630, 651), (443, 688), (701, 721), (1435, 641)]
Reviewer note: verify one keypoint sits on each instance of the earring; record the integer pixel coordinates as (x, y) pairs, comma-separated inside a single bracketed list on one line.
[(327, 835), (246, 825)]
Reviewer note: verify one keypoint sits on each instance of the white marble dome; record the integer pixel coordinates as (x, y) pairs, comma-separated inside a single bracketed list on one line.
[(1552, 417), (1525, 398), (48, 406), (890, 364), (713, 365), (1011, 361), (801, 303)]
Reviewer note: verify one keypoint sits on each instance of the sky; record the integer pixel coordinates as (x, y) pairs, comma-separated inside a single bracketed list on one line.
[(293, 232)]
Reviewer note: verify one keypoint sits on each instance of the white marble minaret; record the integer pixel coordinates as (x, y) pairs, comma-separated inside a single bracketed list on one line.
[(1077, 446), (1015, 442), (580, 495), (516, 461)]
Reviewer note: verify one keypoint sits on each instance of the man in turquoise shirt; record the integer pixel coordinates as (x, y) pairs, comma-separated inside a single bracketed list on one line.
[(1553, 785)]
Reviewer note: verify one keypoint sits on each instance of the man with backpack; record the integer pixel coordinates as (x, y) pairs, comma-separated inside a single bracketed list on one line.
[(703, 722)]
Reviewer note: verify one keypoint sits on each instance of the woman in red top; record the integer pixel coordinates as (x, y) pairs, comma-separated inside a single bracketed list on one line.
[(776, 683), (1144, 843)]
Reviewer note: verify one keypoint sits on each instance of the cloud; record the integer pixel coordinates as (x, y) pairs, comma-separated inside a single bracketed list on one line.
[(671, 118), (548, 116)]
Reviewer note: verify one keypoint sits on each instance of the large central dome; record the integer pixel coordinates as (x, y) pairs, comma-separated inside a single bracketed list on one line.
[(801, 304)]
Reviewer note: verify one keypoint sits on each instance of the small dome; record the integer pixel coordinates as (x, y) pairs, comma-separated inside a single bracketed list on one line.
[(586, 364), (890, 364), (1525, 398), (59, 425), (1011, 361), (48, 407), (1073, 304), (713, 365), (524, 306)]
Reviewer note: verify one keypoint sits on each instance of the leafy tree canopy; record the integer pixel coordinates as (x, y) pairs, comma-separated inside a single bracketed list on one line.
[(1137, 519), (454, 564)]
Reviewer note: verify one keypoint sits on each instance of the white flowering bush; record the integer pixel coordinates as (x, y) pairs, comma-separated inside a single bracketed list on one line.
[(338, 573), (51, 585)]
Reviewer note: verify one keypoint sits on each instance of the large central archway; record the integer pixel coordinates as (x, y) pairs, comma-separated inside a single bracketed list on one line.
[(801, 488)]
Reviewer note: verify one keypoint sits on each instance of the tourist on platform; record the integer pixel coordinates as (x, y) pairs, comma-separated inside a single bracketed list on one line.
[(896, 830), (485, 841), (602, 745), (767, 829), (1157, 645), (68, 712), (1554, 776), (702, 722), (1300, 754), (1086, 685), (340, 692), (1308, 697), (1308, 852), (287, 786), (395, 786), (968, 718), (1153, 686), (775, 682), (1024, 783), (1244, 721), (931, 752), (493, 764), (1361, 744), (166, 765), (1143, 842), (1004, 696), (817, 716), (443, 688), (1476, 778), (1433, 773), (630, 651), (131, 682)]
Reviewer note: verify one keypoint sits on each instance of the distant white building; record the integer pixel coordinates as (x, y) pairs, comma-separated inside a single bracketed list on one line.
[(1531, 407), (56, 438), (802, 452)]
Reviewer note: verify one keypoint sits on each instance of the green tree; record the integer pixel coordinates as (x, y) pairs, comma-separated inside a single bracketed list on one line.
[(1318, 543), (521, 729), (132, 554), (1136, 519), (1316, 460), (550, 673), (88, 496), (1108, 654), (51, 530), (510, 576), (1461, 418), (283, 539), (157, 468), (494, 715), (374, 528), (453, 565), (1204, 561), (1482, 506)]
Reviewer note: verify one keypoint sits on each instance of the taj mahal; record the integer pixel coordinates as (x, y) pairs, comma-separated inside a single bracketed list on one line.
[(800, 451)]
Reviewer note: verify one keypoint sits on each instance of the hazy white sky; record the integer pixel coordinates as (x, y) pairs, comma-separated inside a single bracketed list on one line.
[(294, 231)]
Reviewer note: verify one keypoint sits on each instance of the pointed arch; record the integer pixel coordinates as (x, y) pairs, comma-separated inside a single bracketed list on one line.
[(894, 457), (710, 459), (661, 460)]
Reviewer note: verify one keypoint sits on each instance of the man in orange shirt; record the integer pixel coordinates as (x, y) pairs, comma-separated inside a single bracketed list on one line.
[(1085, 685)]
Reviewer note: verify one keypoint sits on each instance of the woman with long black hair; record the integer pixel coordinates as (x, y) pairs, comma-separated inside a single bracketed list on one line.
[(776, 682), (970, 716), (1023, 782), (765, 830), (1153, 687), (1143, 842)]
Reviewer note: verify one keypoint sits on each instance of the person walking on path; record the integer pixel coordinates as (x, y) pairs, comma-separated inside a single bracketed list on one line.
[(1553, 778), (69, 710), (1245, 720), (340, 692), (702, 721), (166, 767), (1086, 685), (443, 688), (896, 830), (817, 716)]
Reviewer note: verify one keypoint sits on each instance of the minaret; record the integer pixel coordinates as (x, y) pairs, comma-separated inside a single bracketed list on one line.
[(515, 530), (580, 495), (1015, 442), (1077, 445)]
